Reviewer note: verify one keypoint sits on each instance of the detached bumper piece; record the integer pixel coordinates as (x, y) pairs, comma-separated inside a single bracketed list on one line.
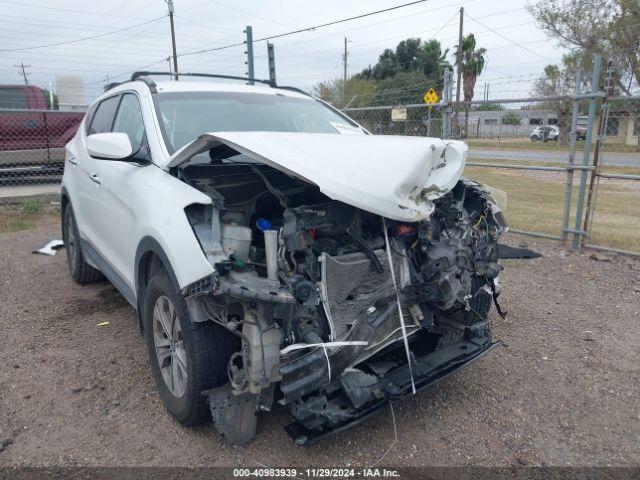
[(365, 390)]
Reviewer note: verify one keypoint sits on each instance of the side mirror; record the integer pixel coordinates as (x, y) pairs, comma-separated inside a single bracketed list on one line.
[(109, 146)]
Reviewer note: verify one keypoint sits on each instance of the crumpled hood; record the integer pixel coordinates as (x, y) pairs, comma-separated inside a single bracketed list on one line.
[(397, 177)]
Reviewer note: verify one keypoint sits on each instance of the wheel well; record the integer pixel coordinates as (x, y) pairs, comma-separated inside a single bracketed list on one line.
[(64, 201), (148, 264)]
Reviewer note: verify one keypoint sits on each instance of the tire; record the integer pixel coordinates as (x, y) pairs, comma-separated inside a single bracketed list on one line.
[(535, 138), (189, 358), (79, 269)]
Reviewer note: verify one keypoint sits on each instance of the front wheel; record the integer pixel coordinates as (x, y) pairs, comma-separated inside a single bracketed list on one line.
[(186, 357)]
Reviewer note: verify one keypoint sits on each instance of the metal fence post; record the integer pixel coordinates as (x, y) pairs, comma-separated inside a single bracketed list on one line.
[(249, 41), (445, 104), (595, 77), (575, 111), (597, 153), (271, 56)]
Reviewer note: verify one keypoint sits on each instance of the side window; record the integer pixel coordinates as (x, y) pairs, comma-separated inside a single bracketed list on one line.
[(103, 117), (88, 117), (129, 120)]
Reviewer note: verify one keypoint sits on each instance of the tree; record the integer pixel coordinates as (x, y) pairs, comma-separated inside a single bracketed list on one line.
[(402, 89), (400, 76), (472, 64), (411, 54), (358, 92), (606, 27), (511, 118)]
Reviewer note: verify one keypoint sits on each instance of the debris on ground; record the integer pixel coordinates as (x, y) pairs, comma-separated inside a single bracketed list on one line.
[(599, 258), (50, 247)]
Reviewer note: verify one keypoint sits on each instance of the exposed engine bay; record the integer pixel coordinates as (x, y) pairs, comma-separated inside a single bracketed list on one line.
[(336, 310)]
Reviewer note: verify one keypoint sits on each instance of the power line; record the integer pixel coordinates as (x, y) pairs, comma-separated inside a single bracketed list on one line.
[(350, 31), (84, 12), (507, 38), (373, 50), (307, 29), (81, 39)]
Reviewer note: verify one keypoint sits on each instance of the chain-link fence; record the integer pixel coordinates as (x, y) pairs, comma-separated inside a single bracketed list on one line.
[(32, 144), (569, 164)]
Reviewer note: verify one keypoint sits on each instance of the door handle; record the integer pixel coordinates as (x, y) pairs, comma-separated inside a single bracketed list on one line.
[(95, 178), (72, 160)]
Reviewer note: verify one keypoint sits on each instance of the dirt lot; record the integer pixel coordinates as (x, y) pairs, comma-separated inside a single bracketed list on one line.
[(563, 390)]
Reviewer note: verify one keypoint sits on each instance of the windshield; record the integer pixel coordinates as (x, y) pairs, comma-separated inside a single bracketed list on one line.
[(186, 115)]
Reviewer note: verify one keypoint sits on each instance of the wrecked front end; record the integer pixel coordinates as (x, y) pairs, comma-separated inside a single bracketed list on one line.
[(338, 310)]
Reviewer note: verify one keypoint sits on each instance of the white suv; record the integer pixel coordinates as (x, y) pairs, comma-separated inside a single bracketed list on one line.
[(275, 251)]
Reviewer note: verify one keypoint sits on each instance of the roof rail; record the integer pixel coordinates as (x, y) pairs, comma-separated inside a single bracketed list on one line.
[(294, 89), (142, 76), (111, 85), (139, 75)]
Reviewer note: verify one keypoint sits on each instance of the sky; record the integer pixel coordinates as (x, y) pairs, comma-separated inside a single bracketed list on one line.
[(517, 50)]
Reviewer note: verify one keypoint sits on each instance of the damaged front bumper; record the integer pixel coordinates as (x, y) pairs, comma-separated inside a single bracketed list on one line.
[(351, 400)]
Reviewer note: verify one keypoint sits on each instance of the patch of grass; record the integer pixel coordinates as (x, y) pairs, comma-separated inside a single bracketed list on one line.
[(526, 144), (16, 221), (22, 216), (31, 205), (536, 203)]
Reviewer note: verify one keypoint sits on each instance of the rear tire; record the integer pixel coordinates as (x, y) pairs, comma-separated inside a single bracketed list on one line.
[(79, 269), (186, 357)]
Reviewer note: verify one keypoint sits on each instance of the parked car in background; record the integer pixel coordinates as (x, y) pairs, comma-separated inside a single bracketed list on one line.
[(551, 133), (278, 253), (545, 134), (32, 138)]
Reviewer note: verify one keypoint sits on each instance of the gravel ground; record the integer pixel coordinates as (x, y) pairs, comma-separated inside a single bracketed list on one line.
[(563, 389)]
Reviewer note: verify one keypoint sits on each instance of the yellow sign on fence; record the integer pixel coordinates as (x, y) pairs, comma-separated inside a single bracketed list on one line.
[(431, 97)]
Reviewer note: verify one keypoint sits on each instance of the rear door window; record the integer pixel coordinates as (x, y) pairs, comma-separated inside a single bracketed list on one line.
[(103, 117)]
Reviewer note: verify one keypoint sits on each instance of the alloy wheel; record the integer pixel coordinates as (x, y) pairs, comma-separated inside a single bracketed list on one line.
[(169, 346)]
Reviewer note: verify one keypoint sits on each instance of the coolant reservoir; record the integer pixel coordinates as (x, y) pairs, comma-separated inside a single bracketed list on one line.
[(236, 239)]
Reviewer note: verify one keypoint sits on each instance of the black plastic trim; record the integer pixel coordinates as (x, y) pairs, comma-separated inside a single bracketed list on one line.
[(95, 259), (305, 437)]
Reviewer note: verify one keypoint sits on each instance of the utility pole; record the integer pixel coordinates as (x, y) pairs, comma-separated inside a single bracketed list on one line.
[(24, 74), (344, 62), (459, 70), (173, 39), (249, 32), (271, 56)]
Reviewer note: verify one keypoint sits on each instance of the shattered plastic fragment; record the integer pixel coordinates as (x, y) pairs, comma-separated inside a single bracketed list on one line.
[(50, 247)]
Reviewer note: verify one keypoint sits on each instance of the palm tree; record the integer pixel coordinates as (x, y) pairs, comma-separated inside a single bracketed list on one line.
[(472, 66)]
